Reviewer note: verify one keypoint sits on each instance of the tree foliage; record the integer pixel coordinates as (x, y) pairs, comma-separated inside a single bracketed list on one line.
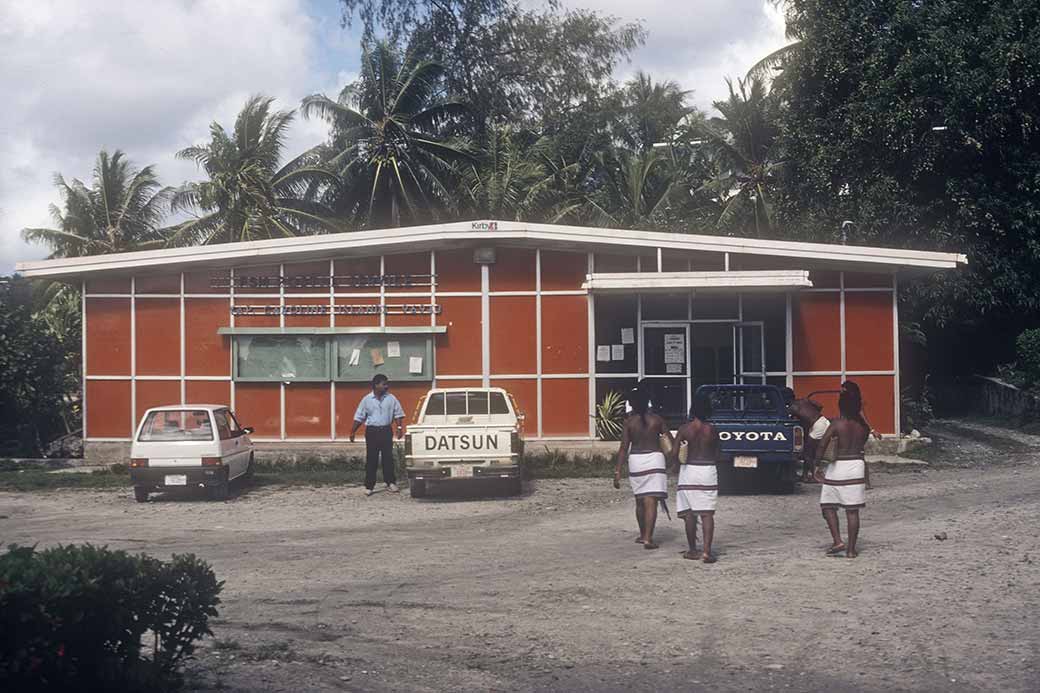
[(918, 121), (121, 211), (249, 194), (389, 142), (507, 60), (36, 367)]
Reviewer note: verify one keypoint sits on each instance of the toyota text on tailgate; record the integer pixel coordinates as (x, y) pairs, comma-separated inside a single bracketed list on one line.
[(760, 442)]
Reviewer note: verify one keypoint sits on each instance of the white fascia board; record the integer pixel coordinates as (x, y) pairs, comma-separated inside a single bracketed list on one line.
[(671, 281), (407, 239)]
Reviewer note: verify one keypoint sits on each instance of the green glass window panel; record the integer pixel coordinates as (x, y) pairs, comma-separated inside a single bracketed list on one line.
[(282, 357)]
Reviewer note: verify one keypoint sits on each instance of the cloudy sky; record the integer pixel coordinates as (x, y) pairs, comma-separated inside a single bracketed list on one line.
[(149, 77)]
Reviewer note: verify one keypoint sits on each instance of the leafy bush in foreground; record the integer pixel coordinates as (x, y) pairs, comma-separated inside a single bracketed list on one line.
[(84, 618)]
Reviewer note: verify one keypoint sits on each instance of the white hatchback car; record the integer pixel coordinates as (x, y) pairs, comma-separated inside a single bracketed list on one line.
[(189, 445)]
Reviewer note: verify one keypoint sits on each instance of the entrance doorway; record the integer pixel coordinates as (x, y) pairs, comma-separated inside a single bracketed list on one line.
[(677, 358)]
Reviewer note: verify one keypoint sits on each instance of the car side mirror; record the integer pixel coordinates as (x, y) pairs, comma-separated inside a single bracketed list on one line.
[(248, 429)]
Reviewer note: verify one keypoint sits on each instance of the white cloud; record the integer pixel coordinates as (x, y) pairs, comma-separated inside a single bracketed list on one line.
[(144, 77), (149, 77), (698, 43)]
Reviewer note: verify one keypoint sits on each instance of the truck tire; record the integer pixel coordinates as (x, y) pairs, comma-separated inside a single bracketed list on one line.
[(417, 488), (218, 492), (141, 494), (785, 484), (516, 487)]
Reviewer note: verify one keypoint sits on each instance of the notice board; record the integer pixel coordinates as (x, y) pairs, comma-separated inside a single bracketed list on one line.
[(360, 356)]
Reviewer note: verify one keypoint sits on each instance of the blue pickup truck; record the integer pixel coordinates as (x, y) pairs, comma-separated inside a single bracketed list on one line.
[(760, 442)]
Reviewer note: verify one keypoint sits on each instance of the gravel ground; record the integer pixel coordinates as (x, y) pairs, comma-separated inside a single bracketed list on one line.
[(329, 590)]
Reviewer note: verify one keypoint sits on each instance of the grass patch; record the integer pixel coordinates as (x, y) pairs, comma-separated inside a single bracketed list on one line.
[(343, 471), (42, 480), (224, 645), (335, 472), (279, 649), (553, 464)]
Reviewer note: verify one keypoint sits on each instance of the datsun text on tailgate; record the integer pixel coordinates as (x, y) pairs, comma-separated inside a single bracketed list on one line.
[(465, 442)]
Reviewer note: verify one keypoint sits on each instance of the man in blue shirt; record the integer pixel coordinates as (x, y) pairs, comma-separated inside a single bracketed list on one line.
[(377, 411)]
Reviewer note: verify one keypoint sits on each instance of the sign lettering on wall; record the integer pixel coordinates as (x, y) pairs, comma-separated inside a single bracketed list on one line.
[(323, 309), (321, 281)]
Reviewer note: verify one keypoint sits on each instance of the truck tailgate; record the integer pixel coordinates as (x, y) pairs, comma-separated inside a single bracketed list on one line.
[(462, 442), (755, 438)]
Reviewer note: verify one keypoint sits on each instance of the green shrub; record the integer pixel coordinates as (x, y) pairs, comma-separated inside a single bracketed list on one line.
[(1027, 348), (917, 411), (75, 618)]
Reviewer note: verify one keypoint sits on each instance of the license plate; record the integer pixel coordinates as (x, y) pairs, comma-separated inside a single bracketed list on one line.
[(176, 479), (745, 462), (461, 470)]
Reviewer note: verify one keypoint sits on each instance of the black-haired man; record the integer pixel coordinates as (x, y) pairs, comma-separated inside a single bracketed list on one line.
[(698, 487), (377, 411)]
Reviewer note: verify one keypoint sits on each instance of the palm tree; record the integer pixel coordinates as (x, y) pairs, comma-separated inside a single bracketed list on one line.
[(120, 212), (742, 143), (247, 195), (514, 181), (649, 112), (386, 140), (635, 188)]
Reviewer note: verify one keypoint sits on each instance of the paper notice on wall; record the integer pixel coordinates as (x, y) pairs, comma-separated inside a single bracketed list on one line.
[(415, 365), (377, 357), (617, 352), (675, 348), (628, 335), (603, 352), (673, 368), (393, 350), (355, 357)]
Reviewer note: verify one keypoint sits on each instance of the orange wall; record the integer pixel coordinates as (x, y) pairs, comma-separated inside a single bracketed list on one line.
[(514, 344), (868, 332), (816, 338), (307, 410), (525, 392), (879, 392), (208, 392), (108, 336), (566, 407), (205, 351), (456, 271), (108, 409), (514, 270), (157, 337), (804, 385), (458, 351), (259, 405), (155, 393), (565, 334), (816, 332), (563, 271)]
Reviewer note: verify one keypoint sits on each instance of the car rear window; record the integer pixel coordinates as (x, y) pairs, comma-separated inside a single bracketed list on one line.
[(752, 401), (176, 424)]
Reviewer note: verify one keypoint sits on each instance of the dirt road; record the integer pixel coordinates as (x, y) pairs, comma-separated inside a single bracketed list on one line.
[(328, 590)]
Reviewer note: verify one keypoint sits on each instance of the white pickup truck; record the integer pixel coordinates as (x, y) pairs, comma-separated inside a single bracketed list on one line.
[(465, 442)]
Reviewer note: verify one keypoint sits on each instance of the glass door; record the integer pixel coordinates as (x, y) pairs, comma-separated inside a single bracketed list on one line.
[(666, 365), (749, 352)]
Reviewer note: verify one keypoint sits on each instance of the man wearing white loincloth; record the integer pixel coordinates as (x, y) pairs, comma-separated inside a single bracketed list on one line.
[(843, 482), (647, 467), (698, 486)]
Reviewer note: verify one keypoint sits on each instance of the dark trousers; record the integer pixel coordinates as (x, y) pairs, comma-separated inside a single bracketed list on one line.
[(379, 443)]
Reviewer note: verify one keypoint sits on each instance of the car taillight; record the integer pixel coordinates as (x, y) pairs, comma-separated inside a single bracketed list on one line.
[(408, 444), (211, 461), (799, 438), (139, 462)]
